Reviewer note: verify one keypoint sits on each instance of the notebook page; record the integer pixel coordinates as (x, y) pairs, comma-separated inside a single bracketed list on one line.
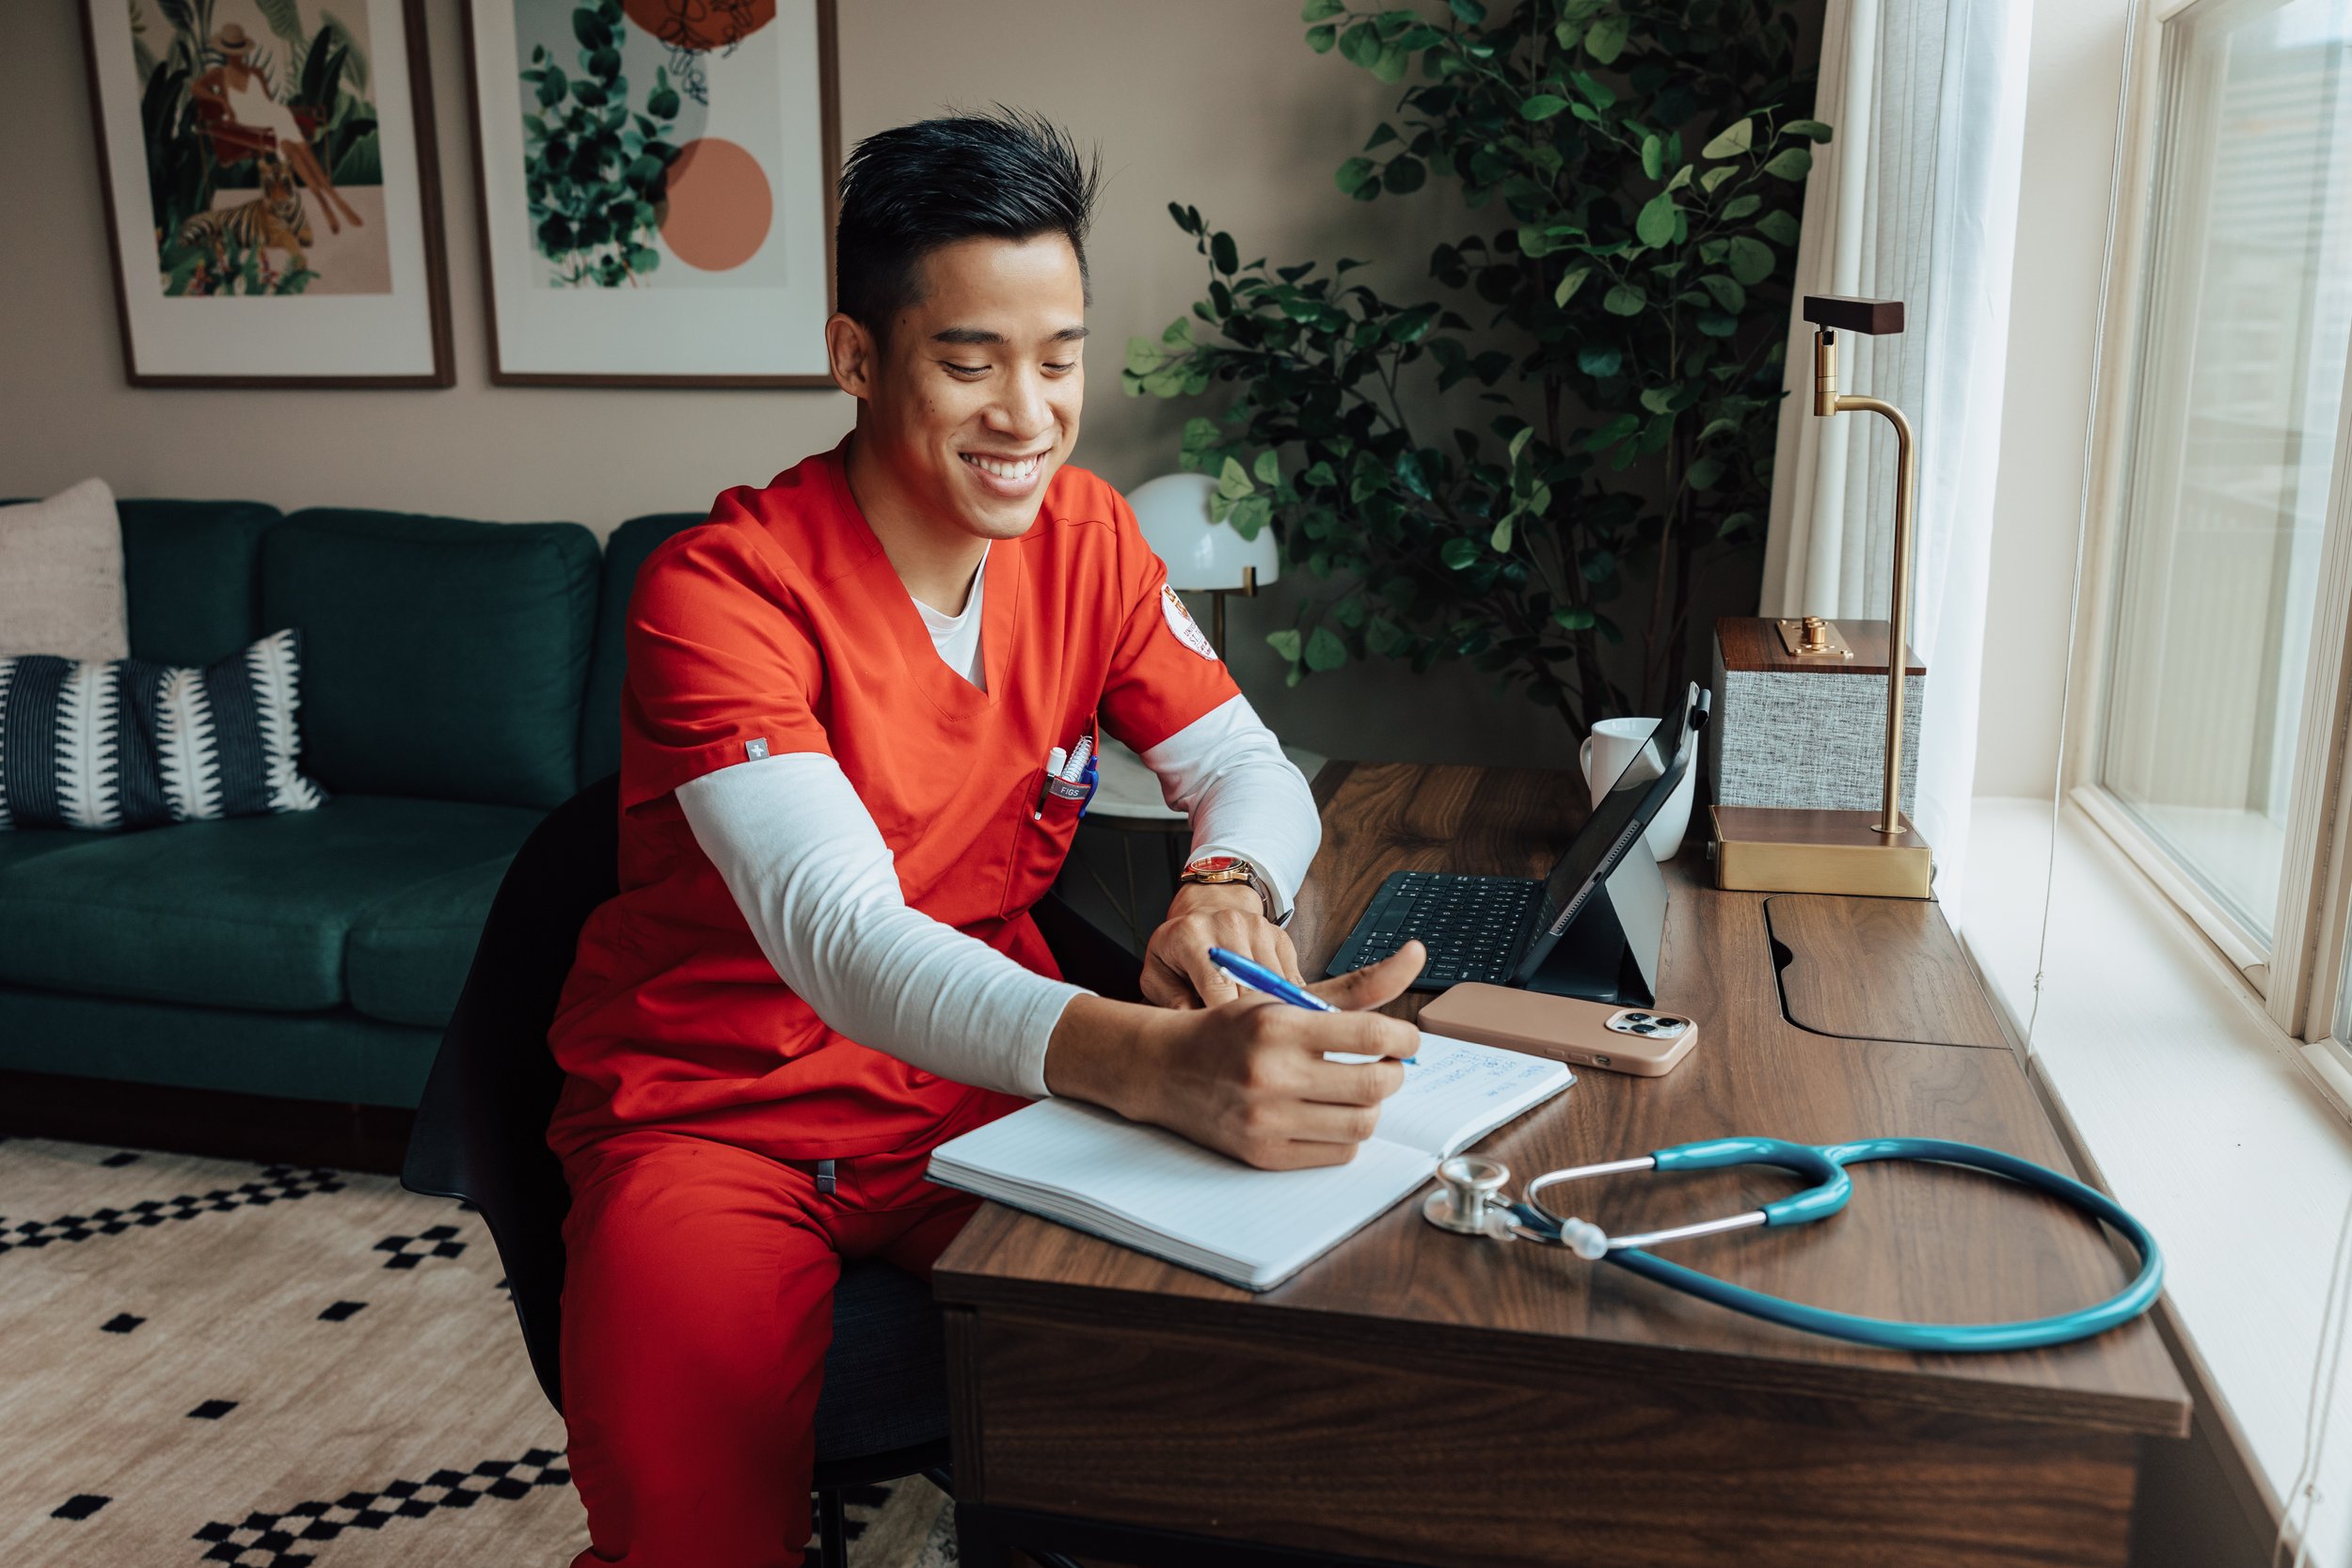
[(1063, 1157), (1455, 1092)]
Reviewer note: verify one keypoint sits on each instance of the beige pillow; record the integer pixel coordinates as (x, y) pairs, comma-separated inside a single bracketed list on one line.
[(61, 576)]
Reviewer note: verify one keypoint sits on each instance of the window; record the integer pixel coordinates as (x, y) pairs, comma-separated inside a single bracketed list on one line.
[(2218, 732)]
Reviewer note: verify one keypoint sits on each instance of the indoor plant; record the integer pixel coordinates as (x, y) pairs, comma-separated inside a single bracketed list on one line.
[(1638, 167)]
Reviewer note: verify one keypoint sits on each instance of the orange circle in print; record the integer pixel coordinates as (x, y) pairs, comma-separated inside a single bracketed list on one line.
[(700, 24), (719, 206)]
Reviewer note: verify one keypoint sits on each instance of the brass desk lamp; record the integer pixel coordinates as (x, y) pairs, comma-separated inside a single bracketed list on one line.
[(1881, 853)]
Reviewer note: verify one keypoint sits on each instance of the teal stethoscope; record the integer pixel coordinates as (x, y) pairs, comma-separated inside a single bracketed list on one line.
[(1471, 1201)]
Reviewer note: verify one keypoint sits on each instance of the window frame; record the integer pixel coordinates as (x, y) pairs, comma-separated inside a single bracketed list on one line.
[(2298, 980)]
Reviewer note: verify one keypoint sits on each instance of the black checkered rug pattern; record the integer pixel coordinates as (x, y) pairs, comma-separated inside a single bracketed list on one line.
[(279, 1367)]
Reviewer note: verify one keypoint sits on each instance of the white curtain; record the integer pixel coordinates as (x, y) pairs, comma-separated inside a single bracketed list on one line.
[(1916, 200)]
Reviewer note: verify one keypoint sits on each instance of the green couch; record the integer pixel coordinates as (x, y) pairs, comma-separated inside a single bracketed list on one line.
[(459, 679)]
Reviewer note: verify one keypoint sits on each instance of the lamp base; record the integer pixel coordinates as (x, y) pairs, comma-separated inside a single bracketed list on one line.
[(1778, 850)]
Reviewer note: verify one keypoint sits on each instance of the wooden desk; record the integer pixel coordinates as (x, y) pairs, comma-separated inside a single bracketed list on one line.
[(1425, 1398)]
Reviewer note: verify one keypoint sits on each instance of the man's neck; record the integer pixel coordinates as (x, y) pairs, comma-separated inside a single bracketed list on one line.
[(935, 562)]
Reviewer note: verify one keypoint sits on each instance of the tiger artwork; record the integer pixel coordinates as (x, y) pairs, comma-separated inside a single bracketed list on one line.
[(275, 219)]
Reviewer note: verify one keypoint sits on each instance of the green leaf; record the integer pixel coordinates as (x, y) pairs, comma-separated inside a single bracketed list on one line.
[(1325, 651), (1727, 292), (1574, 617), (1360, 44), (1321, 38), (1750, 260), (1542, 107), (1458, 553), (1780, 226), (1731, 140), (1599, 362), (1250, 514), (1656, 224), (1519, 442), (1389, 66), (1318, 475), (1624, 300), (1741, 206), (1144, 355), (1470, 11), (1653, 157), (1568, 285), (1715, 177), (1499, 540), (1812, 128), (1683, 177), (1268, 468), (1353, 174), (1790, 162), (1703, 473), (1285, 642), (1316, 11), (1232, 481), (1222, 255), (1605, 40), (1404, 175)]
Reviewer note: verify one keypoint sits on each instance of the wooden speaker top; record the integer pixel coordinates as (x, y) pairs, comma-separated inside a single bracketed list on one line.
[(1751, 644)]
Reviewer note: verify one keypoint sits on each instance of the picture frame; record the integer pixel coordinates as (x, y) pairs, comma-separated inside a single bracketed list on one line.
[(627, 244), (272, 190)]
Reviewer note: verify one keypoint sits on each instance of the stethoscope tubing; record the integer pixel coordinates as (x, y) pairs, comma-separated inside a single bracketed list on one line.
[(2028, 1334)]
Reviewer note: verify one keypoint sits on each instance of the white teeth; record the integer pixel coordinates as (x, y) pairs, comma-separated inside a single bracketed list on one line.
[(1021, 470)]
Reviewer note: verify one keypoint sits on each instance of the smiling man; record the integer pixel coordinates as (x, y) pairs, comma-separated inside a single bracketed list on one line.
[(843, 692)]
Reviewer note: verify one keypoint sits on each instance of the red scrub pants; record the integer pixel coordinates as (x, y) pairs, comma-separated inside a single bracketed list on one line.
[(697, 1307)]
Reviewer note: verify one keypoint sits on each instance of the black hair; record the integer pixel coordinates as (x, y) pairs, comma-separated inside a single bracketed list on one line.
[(905, 193)]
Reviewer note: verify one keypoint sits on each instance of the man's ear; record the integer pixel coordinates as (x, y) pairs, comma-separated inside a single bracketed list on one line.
[(851, 354)]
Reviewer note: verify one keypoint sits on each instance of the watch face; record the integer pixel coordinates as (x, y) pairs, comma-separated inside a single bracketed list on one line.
[(1209, 864)]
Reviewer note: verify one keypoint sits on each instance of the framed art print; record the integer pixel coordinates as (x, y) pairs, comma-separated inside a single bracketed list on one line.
[(657, 184), (272, 193)]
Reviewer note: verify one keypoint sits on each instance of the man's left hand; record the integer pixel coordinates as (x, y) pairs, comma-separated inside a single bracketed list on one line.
[(1177, 969)]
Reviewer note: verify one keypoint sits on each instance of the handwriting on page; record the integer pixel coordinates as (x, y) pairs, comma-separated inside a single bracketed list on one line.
[(1456, 1089)]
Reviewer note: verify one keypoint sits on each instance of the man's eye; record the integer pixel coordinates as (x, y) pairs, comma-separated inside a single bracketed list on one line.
[(964, 369), (1063, 367)]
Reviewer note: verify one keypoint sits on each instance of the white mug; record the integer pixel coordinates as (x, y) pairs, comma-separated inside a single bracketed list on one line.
[(1619, 752)]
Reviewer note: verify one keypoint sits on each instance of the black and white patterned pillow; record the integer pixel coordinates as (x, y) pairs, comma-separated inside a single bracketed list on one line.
[(133, 744)]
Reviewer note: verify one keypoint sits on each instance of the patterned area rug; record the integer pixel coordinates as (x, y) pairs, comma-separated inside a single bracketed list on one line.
[(210, 1362)]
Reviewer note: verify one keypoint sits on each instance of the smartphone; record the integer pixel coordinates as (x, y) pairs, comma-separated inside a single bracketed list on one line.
[(1647, 1041)]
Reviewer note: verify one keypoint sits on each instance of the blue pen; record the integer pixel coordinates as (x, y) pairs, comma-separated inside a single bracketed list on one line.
[(1242, 971)]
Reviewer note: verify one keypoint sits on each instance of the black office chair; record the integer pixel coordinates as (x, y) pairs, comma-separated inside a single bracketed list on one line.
[(481, 1137)]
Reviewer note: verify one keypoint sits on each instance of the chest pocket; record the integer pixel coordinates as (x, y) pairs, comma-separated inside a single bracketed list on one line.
[(1046, 823)]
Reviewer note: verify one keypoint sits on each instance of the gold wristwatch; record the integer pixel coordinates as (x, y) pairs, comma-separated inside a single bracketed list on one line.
[(1229, 868)]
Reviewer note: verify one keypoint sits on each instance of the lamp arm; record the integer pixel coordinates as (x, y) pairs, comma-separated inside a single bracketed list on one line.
[(1898, 605)]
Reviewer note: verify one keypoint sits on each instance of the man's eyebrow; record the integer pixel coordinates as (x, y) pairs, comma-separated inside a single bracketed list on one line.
[(981, 336)]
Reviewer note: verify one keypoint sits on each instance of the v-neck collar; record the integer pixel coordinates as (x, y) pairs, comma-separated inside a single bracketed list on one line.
[(1004, 575)]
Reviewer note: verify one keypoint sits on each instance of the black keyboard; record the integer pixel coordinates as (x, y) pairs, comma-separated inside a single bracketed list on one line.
[(1473, 926)]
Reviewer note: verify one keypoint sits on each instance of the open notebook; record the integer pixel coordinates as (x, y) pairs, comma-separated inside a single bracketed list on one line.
[(1151, 1190)]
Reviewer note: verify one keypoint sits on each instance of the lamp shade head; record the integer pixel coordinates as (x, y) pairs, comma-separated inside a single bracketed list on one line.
[(1201, 552)]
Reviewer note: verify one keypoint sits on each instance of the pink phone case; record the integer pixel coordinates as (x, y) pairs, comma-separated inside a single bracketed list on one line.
[(1564, 1028)]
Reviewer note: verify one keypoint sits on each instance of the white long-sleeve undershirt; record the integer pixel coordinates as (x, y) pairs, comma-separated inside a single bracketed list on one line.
[(817, 884)]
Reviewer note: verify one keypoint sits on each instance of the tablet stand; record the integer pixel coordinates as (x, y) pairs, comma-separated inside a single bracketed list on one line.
[(1611, 953)]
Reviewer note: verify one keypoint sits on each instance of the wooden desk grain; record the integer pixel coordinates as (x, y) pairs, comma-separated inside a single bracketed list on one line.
[(1423, 1396), (1877, 968)]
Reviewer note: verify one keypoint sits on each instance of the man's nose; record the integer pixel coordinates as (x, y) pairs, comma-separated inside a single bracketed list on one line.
[(1024, 410)]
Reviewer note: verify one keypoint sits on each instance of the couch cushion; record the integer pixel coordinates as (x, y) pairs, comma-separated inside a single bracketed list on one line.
[(61, 576), (407, 956), (600, 714), (254, 912), (444, 657), (194, 577)]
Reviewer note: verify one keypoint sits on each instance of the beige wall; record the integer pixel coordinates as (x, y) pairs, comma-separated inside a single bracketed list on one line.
[(1216, 102)]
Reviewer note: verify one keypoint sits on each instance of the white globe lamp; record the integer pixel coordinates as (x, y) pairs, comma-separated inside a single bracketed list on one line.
[(1203, 555)]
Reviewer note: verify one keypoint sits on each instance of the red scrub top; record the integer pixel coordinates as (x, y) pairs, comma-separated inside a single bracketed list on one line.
[(779, 626)]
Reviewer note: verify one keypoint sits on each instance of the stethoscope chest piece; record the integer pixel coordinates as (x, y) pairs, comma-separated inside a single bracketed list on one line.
[(1465, 1201)]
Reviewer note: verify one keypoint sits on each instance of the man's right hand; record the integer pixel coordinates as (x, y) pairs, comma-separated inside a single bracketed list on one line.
[(1247, 1077)]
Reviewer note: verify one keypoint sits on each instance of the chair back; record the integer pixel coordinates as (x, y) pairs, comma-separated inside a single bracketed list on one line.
[(481, 1132)]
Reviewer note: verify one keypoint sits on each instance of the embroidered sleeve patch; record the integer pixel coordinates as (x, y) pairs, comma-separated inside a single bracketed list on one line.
[(1179, 621)]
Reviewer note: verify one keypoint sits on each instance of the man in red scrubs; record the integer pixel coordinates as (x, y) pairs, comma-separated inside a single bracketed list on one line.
[(844, 693)]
